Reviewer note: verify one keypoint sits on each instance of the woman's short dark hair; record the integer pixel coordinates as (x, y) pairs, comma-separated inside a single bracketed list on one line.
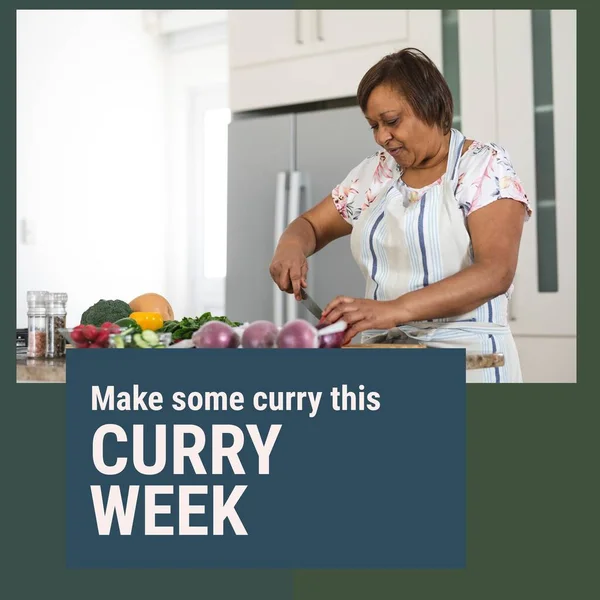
[(416, 77)]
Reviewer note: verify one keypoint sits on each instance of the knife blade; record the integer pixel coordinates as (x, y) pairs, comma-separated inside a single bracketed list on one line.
[(310, 304)]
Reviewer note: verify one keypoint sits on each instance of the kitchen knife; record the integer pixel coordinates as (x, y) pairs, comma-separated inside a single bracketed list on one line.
[(310, 304)]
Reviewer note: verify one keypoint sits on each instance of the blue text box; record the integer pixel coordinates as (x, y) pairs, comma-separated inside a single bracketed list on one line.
[(346, 488)]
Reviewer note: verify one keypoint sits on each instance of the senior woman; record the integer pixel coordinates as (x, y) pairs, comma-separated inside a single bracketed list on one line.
[(435, 222)]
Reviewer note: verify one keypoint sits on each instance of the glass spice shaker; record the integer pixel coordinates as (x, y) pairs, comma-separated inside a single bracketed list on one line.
[(36, 324), (56, 315)]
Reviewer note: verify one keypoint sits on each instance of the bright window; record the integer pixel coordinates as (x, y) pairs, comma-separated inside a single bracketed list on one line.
[(214, 196)]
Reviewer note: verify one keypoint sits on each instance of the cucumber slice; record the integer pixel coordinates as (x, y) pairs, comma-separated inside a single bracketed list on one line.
[(139, 341), (150, 337)]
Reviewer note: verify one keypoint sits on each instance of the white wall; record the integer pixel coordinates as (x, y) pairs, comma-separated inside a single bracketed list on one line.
[(90, 157)]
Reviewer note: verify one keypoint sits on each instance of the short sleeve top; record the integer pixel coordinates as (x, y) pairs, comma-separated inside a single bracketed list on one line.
[(485, 174)]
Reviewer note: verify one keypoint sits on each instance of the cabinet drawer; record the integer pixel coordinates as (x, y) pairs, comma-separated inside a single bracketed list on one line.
[(547, 359)]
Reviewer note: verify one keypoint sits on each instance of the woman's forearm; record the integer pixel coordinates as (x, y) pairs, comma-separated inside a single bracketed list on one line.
[(301, 234), (456, 295)]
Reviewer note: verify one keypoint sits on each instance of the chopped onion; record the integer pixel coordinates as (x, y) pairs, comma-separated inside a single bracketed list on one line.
[(215, 334), (260, 334), (331, 336), (297, 334)]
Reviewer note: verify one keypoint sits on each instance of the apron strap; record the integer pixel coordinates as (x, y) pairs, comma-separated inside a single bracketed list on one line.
[(457, 140)]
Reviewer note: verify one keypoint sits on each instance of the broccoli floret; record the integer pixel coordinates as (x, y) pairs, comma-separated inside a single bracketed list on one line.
[(105, 310)]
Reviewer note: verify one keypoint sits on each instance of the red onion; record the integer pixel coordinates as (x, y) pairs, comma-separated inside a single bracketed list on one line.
[(260, 334), (332, 336), (216, 334), (297, 334)]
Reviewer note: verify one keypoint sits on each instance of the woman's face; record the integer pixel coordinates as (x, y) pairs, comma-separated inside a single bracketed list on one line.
[(396, 128)]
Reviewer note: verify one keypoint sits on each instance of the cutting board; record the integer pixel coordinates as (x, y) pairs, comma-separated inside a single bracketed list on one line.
[(380, 346)]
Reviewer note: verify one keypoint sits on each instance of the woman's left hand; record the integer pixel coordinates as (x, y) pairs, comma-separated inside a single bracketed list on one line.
[(362, 314)]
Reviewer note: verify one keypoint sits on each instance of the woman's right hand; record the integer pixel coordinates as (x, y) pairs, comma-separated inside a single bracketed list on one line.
[(303, 237), (289, 268)]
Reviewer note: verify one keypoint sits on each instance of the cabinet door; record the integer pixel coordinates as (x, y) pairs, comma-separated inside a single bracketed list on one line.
[(340, 29), (336, 30), (477, 74), (536, 101), (261, 36)]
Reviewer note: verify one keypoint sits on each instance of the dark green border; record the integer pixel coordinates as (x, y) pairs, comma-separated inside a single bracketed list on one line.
[(532, 466)]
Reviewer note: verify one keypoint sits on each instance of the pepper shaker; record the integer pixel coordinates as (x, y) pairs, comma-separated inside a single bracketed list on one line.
[(56, 314)]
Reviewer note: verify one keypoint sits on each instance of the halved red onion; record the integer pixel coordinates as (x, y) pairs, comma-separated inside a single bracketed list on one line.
[(331, 336)]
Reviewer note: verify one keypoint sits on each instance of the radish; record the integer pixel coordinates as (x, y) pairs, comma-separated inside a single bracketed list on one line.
[(90, 332), (78, 336), (298, 334), (216, 334), (260, 334), (102, 338), (110, 327)]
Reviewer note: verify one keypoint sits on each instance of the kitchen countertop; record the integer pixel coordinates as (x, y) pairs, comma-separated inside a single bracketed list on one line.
[(41, 370), (44, 370)]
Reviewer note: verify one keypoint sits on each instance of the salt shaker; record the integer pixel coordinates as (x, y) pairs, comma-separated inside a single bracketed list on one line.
[(56, 318), (37, 328)]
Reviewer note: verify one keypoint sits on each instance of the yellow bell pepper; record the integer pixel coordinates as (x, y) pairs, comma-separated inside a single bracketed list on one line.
[(147, 320)]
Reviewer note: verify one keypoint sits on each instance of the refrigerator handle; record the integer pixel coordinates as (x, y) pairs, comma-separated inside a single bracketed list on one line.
[(280, 202), (293, 213)]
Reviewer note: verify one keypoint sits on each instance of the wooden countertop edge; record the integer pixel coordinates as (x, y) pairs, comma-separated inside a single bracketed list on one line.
[(55, 371), (474, 361)]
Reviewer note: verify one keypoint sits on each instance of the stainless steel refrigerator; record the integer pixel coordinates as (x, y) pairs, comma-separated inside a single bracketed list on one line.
[(279, 165)]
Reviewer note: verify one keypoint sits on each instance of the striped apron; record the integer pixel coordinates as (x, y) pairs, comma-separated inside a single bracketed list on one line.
[(403, 243)]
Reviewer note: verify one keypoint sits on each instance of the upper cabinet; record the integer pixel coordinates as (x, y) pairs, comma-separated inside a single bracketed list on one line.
[(262, 36), (259, 36), (341, 29), (284, 57)]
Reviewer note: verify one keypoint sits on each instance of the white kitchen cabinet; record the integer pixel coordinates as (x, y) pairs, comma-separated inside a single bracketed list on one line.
[(286, 57), (262, 36), (258, 36), (336, 30), (536, 79), (519, 89), (548, 359)]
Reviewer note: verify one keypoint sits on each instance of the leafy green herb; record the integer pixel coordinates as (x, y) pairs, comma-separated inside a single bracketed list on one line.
[(185, 328)]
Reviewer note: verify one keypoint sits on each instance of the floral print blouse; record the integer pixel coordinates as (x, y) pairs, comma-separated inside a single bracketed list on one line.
[(485, 174)]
